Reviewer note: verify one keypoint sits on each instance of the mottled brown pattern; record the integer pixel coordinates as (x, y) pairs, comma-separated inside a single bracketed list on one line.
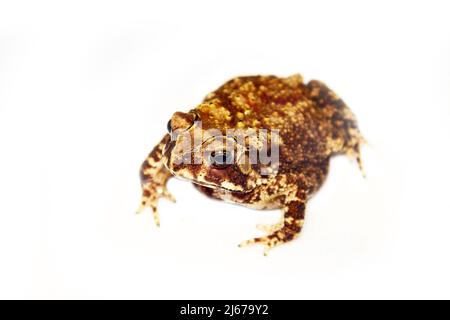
[(314, 125), (154, 176)]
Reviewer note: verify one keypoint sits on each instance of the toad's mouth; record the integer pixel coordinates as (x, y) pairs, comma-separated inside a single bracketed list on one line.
[(210, 185), (213, 186)]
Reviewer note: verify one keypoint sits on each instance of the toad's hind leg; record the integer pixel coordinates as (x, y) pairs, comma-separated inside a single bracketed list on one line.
[(345, 135), (287, 230)]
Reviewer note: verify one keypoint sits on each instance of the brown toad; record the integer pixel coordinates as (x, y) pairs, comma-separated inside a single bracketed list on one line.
[(260, 141)]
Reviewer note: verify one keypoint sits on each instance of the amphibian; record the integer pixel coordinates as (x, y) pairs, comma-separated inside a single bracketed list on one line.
[(260, 141)]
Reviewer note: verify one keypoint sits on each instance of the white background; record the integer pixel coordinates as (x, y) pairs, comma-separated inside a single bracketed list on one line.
[(86, 90)]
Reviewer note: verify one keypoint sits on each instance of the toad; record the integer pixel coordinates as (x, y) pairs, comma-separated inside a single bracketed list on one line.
[(259, 141)]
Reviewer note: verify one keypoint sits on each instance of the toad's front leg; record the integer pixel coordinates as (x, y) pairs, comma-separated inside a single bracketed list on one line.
[(154, 177), (287, 230)]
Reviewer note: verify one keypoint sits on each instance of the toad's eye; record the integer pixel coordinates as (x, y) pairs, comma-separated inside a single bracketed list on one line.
[(169, 126), (221, 159)]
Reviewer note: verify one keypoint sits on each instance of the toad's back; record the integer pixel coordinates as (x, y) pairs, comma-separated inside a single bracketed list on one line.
[(313, 122)]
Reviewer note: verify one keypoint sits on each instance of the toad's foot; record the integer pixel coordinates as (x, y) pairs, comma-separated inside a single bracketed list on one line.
[(276, 238), (150, 198), (282, 232), (355, 153), (270, 228)]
